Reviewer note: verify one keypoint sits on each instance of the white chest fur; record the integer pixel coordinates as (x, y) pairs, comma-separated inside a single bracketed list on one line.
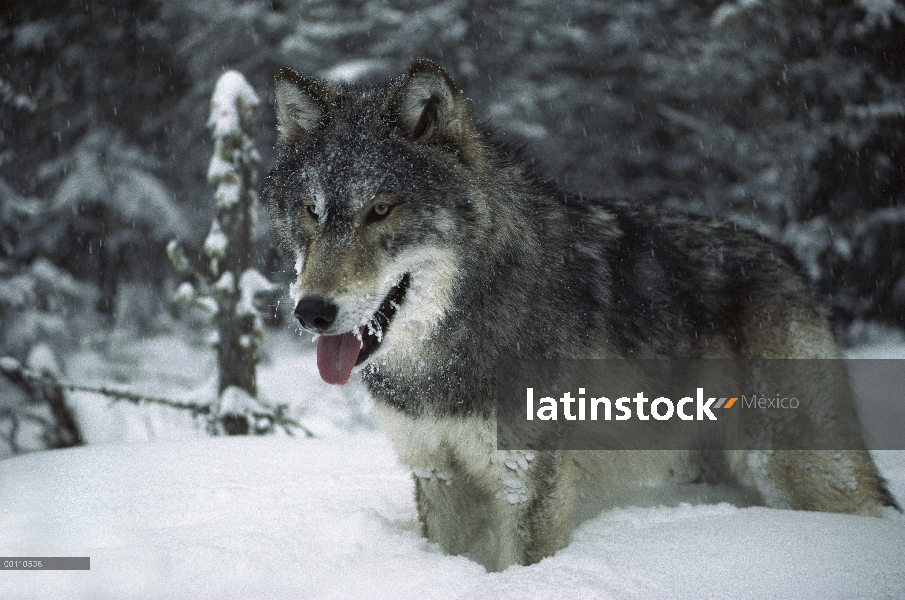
[(451, 447)]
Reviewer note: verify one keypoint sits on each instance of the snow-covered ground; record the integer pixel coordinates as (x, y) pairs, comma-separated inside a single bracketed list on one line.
[(165, 512)]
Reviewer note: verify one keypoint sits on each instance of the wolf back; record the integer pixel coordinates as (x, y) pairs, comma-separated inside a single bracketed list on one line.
[(427, 253)]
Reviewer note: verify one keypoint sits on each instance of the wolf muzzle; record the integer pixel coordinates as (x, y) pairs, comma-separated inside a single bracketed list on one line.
[(336, 354)]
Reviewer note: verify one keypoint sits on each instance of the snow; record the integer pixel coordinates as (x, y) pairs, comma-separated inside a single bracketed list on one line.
[(219, 168), (9, 96), (42, 359), (334, 518), (226, 284), (34, 34), (879, 13), (355, 70), (177, 257), (237, 401), (252, 284), (185, 294), (228, 194), (187, 516), (234, 106), (232, 97), (215, 243)]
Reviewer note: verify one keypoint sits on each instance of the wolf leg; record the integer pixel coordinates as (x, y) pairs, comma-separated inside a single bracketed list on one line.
[(843, 481), (455, 514), (534, 507), (838, 474), (516, 512)]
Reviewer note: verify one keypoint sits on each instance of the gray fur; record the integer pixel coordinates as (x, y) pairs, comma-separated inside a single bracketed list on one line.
[(496, 262)]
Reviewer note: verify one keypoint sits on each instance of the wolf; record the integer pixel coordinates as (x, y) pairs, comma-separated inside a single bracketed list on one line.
[(427, 252)]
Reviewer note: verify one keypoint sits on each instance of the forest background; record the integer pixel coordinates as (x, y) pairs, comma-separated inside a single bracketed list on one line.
[(786, 116)]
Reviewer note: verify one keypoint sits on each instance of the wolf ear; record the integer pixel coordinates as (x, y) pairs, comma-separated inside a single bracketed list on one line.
[(429, 103), (301, 103)]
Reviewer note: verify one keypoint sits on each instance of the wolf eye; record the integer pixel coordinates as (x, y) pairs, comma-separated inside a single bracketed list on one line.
[(312, 211), (382, 210)]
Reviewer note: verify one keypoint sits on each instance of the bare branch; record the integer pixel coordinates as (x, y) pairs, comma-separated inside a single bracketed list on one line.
[(16, 372)]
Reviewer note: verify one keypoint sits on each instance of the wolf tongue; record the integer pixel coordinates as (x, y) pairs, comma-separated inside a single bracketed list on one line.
[(336, 355)]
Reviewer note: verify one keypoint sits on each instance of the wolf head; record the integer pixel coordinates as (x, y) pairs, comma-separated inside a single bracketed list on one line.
[(366, 193)]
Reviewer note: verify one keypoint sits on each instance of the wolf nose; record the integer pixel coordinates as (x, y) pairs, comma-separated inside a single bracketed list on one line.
[(315, 313)]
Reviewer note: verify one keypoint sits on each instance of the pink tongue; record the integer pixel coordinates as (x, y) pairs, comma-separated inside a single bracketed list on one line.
[(336, 355)]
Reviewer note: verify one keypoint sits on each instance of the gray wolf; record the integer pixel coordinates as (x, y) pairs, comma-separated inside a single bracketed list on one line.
[(427, 252)]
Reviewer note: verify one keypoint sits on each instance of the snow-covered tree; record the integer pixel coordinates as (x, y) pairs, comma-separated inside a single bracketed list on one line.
[(784, 114), (114, 209), (231, 284)]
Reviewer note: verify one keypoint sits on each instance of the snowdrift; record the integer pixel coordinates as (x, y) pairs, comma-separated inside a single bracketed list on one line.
[(335, 518)]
